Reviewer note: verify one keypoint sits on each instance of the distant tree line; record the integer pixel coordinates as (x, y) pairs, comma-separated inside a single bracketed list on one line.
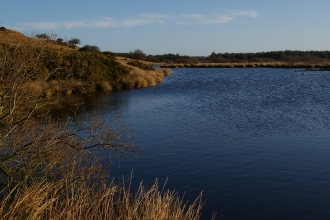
[(168, 58), (289, 56)]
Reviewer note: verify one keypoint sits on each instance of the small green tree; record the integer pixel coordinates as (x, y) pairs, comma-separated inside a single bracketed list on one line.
[(59, 40), (74, 41), (137, 54), (90, 48), (43, 36)]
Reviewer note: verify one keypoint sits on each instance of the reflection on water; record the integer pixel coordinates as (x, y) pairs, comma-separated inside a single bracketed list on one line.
[(255, 141)]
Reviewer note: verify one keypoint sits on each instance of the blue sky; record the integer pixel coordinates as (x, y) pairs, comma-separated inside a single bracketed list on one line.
[(194, 27)]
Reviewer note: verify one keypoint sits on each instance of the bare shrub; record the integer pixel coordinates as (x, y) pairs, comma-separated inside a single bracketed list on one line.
[(29, 138)]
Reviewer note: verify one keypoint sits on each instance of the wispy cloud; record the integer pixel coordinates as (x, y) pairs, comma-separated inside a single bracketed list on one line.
[(107, 22), (195, 16), (217, 20), (192, 19), (102, 23), (144, 19)]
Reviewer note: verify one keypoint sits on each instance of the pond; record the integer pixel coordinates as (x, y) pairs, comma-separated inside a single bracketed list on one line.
[(255, 141)]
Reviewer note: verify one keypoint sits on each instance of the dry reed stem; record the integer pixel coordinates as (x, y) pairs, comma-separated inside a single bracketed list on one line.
[(58, 200)]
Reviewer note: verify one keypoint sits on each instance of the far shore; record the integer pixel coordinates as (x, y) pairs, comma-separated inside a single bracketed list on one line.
[(321, 66)]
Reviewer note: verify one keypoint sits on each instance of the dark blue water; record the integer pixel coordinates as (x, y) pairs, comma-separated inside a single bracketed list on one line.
[(255, 141)]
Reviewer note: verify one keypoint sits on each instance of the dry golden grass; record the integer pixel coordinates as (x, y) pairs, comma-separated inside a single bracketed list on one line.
[(61, 200), (138, 78), (166, 71), (12, 37)]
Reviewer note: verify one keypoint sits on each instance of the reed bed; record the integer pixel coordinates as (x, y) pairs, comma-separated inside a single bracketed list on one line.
[(62, 200), (139, 78), (142, 78)]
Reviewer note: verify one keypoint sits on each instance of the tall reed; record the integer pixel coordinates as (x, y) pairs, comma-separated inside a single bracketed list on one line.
[(62, 200)]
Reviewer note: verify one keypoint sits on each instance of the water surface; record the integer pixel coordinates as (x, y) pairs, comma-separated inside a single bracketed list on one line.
[(255, 141)]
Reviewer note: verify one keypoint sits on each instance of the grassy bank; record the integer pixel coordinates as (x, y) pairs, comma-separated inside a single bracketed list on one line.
[(78, 71), (140, 75)]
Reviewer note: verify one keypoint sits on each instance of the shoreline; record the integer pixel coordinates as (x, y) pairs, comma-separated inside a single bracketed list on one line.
[(134, 80), (307, 66)]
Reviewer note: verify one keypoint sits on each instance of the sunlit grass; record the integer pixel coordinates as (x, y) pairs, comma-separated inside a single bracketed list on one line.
[(63, 200), (142, 78)]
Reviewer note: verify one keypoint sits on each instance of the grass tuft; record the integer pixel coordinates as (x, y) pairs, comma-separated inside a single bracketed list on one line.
[(63, 200), (139, 78)]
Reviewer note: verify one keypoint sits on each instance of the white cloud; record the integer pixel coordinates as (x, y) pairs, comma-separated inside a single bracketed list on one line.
[(144, 19), (218, 20), (41, 25), (104, 23), (195, 19), (133, 23)]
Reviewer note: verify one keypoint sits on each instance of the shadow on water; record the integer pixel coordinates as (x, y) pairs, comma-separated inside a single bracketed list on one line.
[(99, 102)]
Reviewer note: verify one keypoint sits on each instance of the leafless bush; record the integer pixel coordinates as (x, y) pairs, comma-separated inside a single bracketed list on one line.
[(31, 143)]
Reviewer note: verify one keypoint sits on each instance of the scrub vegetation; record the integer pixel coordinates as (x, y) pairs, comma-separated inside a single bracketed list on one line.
[(83, 70), (50, 169)]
